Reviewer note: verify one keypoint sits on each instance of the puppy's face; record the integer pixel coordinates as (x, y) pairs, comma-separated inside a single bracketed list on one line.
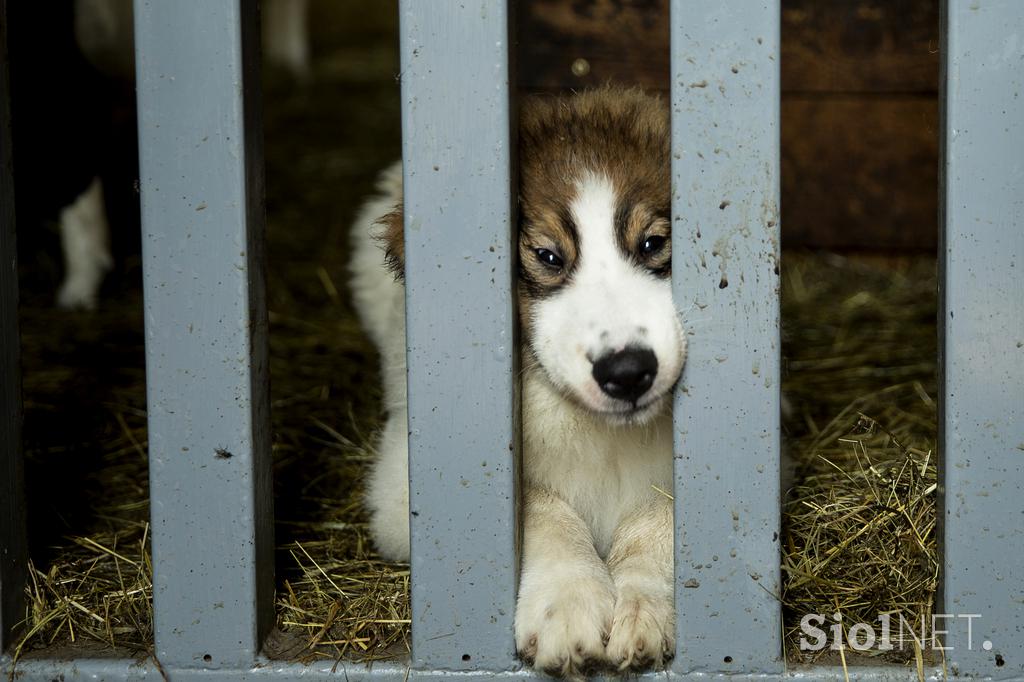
[(595, 244), (595, 251)]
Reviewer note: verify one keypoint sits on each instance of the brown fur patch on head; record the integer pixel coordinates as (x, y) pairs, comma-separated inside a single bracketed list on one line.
[(618, 132), (621, 133), (392, 237)]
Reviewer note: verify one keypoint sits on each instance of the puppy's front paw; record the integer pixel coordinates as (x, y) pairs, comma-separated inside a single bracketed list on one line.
[(562, 625), (643, 629)]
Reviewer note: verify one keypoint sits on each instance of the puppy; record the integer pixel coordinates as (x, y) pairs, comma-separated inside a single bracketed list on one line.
[(602, 349)]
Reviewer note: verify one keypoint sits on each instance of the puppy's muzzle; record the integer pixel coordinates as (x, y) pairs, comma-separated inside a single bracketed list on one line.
[(626, 374)]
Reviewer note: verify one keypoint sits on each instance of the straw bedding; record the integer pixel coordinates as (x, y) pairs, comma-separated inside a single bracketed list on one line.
[(859, 518)]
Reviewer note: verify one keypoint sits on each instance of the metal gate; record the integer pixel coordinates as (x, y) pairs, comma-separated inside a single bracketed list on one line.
[(206, 327)]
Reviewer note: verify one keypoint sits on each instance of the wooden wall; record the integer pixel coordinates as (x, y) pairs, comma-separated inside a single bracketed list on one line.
[(859, 103)]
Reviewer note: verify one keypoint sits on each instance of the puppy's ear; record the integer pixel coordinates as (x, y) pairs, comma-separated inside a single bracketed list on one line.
[(392, 238)]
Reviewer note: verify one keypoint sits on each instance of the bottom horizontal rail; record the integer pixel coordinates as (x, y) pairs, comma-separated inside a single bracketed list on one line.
[(115, 670)]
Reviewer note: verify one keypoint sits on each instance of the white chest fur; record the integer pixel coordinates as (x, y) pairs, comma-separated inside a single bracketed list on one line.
[(603, 471)]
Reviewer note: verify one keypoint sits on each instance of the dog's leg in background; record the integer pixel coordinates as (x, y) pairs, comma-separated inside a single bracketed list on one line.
[(85, 239), (640, 561), (286, 35), (566, 595), (387, 490)]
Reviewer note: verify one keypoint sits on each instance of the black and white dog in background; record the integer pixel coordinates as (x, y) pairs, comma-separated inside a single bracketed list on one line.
[(74, 132), (602, 349)]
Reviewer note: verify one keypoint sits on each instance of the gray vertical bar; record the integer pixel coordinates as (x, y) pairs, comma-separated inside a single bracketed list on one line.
[(13, 553), (459, 269), (982, 334), (725, 139), (202, 209)]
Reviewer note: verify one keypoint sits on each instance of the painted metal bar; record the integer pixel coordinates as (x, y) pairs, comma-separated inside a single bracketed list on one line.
[(982, 337), (111, 670), (206, 348), (725, 138), (13, 551), (460, 316)]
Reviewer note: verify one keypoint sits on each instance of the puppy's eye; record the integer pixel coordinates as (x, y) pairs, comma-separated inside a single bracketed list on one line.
[(549, 258), (652, 245)]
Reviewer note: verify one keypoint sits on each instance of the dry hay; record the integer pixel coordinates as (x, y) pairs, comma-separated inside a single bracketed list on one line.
[(859, 521), (90, 580), (337, 599), (100, 591), (93, 583), (357, 609), (860, 539)]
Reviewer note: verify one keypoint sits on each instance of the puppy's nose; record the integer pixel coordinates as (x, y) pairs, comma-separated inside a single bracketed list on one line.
[(626, 375)]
